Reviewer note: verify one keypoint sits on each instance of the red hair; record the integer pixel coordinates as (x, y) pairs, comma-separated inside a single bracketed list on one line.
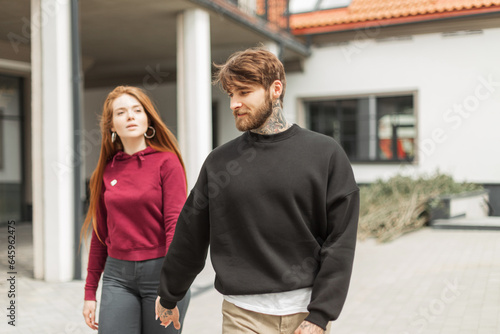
[(163, 140)]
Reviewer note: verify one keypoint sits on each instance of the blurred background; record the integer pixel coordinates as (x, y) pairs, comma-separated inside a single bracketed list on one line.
[(406, 87)]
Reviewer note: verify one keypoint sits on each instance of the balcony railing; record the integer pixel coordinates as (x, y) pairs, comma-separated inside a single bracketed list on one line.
[(272, 11)]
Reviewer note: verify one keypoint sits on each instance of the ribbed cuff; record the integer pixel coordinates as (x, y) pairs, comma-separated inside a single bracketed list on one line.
[(167, 304), (89, 295)]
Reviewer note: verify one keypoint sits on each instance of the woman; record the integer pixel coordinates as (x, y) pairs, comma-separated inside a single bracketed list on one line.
[(136, 194)]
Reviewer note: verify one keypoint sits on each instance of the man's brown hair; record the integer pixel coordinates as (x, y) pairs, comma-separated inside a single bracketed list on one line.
[(255, 66)]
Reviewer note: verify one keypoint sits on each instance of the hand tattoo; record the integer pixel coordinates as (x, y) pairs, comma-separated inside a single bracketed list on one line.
[(311, 328), (165, 313)]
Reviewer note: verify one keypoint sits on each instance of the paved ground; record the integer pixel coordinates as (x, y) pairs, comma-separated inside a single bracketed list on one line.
[(430, 281)]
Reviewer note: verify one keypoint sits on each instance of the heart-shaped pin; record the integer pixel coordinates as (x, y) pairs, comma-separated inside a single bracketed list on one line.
[(113, 182)]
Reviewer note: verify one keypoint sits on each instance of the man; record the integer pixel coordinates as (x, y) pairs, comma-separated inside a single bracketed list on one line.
[(278, 207)]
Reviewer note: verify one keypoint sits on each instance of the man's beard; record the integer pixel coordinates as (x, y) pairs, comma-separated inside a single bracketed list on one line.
[(255, 119)]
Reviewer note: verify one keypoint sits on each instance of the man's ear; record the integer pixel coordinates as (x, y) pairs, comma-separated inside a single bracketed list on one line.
[(276, 89)]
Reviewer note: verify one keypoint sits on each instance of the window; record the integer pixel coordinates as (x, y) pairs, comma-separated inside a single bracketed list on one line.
[(368, 128), (1, 136), (10, 120), (11, 149), (301, 6), (330, 4)]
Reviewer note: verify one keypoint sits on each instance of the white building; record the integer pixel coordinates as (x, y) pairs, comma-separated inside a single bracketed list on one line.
[(439, 71), (411, 88)]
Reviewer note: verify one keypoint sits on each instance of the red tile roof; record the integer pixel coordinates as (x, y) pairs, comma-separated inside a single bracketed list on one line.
[(362, 13)]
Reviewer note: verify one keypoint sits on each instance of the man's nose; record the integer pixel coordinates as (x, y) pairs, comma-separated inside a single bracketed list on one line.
[(234, 104)]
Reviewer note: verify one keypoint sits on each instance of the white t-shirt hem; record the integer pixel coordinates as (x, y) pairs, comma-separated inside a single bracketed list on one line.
[(279, 303)]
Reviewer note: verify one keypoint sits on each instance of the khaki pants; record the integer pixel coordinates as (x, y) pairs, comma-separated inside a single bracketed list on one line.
[(240, 321)]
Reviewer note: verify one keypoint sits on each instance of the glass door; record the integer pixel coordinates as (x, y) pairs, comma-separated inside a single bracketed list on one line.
[(11, 167)]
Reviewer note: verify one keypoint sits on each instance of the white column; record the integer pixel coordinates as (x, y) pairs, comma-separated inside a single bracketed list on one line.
[(52, 125), (194, 99), (272, 47)]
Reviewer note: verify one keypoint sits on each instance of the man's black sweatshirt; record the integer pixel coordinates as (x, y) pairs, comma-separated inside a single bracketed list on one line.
[(279, 212)]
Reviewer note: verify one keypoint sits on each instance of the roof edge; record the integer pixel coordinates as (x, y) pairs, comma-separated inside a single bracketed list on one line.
[(396, 21), (283, 38)]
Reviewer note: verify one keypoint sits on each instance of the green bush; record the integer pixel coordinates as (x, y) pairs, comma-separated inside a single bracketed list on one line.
[(401, 204)]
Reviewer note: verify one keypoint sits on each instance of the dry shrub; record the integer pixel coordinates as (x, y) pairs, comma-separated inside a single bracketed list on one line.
[(401, 204)]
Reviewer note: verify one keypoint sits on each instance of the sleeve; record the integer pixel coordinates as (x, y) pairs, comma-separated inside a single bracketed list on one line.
[(98, 252), (188, 251), (337, 252), (173, 180)]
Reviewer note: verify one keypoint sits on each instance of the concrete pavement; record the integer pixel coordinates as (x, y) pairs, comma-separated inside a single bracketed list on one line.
[(429, 281)]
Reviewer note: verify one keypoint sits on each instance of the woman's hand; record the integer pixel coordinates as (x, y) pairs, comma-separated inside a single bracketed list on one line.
[(89, 307)]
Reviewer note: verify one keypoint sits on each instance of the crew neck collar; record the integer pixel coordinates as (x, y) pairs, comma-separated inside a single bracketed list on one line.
[(274, 137)]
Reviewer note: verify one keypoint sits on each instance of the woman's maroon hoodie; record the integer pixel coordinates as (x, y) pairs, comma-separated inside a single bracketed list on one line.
[(142, 196)]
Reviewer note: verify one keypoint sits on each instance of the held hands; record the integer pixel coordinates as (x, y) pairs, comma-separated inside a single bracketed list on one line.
[(89, 307), (167, 316), (307, 327)]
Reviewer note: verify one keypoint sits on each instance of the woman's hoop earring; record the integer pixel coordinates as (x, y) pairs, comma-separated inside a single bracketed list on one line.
[(151, 136), (113, 137)]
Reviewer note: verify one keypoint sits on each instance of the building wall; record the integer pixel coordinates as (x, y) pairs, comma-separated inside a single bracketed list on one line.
[(447, 74)]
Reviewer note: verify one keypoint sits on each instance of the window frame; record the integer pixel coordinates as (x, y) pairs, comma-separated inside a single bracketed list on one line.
[(317, 7), (303, 118)]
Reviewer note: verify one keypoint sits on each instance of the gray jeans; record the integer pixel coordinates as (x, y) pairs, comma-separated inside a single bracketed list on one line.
[(129, 292)]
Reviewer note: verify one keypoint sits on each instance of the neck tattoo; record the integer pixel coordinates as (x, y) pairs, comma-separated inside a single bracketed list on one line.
[(275, 123)]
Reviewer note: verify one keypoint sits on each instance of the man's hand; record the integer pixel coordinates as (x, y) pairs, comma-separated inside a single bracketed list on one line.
[(167, 316), (307, 327)]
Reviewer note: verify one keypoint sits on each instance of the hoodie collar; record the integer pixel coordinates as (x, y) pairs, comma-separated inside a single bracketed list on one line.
[(120, 155)]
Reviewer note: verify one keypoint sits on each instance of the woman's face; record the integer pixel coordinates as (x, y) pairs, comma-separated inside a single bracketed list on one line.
[(129, 118)]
